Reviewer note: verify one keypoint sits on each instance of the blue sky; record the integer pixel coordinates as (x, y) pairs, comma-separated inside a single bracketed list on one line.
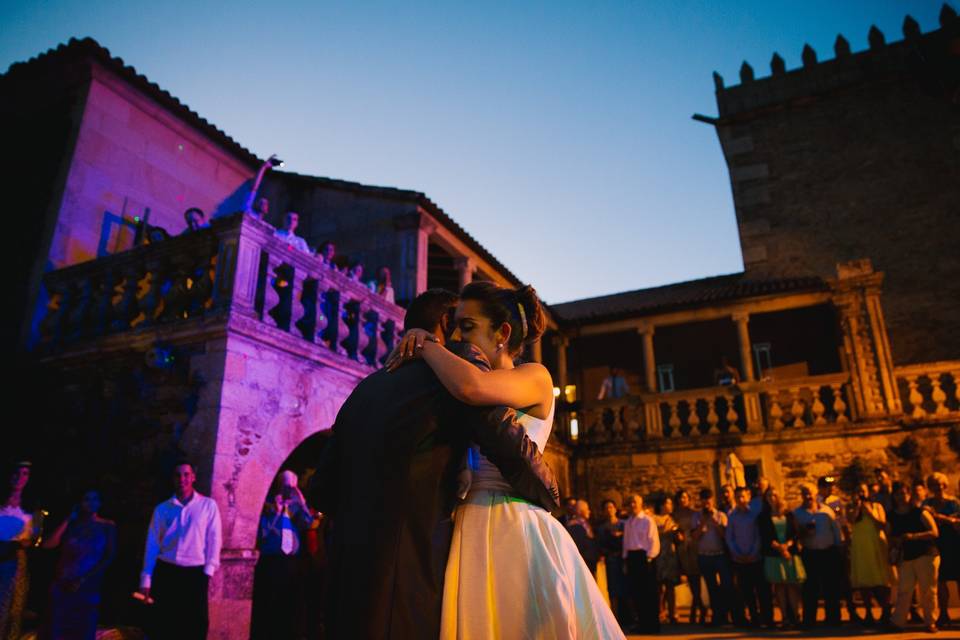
[(557, 133)]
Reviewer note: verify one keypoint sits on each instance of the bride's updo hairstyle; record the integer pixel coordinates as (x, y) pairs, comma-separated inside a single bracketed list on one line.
[(520, 308)]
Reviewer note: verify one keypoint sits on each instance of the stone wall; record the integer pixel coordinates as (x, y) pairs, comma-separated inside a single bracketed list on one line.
[(132, 154), (786, 463), (271, 401), (856, 157)]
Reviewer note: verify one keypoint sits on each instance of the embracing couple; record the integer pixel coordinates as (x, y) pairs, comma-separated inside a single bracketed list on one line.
[(438, 493)]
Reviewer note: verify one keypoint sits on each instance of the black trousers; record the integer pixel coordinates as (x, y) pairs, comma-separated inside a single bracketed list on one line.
[(180, 610), (642, 585), (824, 568), (276, 597), (753, 592)]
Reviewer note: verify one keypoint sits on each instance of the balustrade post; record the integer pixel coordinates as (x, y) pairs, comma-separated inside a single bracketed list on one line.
[(652, 418), (839, 406), (753, 414), (126, 309), (938, 396), (797, 409)]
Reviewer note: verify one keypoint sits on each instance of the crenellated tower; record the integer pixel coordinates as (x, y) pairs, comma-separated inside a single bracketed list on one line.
[(856, 157)]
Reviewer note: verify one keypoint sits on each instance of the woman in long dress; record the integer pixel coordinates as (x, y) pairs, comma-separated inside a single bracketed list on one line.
[(513, 570)]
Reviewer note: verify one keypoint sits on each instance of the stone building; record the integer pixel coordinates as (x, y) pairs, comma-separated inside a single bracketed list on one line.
[(846, 180), (223, 344), (230, 347)]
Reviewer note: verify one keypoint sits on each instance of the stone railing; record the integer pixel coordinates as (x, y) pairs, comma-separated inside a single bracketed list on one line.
[(811, 401), (696, 412), (930, 391), (753, 407), (234, 267)]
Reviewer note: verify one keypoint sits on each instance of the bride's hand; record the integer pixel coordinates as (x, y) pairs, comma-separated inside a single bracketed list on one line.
[(410, 348)]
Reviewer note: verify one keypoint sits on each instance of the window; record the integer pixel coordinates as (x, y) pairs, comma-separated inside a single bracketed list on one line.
[(762, 359), (665, 377)]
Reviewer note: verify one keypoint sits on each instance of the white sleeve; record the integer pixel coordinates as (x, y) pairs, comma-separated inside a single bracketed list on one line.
[(214, 541), (151, 550), (654, 537)]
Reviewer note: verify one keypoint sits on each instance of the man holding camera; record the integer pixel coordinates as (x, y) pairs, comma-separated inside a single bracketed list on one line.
[(820, 536)]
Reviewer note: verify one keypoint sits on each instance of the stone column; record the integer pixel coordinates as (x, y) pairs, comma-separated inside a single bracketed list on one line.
[(743, 337), (753, 416), (536, 351), (649, 359), (652, 420), (856, 295), (465, 267), (413, 234), (561, 342)]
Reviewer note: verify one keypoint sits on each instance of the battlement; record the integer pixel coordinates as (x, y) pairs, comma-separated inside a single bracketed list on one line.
[(934, 53)]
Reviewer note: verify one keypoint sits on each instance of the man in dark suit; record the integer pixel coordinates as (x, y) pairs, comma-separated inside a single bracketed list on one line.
[(388, 479)]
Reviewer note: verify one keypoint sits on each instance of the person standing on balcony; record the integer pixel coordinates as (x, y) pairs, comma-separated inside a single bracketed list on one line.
[(182, 554), (328, 254), (726, 375), (820, 537), (614, 386), (195, 219), (946, 512), (384, 284), (288, 232), (260, 209)]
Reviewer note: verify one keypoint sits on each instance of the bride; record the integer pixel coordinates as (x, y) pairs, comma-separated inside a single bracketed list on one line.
[(513, 570)]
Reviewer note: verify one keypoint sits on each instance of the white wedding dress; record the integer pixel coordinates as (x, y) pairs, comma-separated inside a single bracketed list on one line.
[(514, 572)]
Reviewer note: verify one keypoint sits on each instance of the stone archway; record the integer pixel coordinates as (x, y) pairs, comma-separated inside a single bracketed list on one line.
[(271, 402)]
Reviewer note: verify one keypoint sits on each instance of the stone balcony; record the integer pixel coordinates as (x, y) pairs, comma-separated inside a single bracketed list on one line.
[(768, 410), (233, 275)]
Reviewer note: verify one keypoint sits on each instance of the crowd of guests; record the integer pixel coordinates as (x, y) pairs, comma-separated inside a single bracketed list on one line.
[(886, 551), (181, 553)]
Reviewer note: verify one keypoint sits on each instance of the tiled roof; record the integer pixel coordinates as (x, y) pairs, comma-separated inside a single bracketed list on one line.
[(681, 295), (88, 47), (77, 50)]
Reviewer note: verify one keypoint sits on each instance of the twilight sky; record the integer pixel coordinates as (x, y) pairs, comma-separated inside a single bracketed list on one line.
[(557, 133)]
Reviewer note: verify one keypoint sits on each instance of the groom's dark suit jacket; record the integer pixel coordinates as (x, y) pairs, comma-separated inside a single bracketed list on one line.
[(388, 480)]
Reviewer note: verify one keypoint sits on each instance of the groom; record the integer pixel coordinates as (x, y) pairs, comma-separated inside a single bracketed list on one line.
[(388, 480)]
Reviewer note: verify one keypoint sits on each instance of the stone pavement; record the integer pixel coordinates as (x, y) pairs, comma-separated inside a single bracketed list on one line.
[(847, 630)]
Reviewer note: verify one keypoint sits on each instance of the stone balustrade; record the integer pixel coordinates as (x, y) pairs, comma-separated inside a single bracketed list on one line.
[(753, 407), (930, 391), (810, 401), (698, 412), (235, 267)]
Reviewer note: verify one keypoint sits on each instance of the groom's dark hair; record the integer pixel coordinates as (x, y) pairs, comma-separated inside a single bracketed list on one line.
[(427, 309)]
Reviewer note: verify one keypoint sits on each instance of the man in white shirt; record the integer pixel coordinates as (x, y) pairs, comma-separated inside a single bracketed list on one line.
[(641, 544), (288, 232), (182, 553), (614, 386)]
